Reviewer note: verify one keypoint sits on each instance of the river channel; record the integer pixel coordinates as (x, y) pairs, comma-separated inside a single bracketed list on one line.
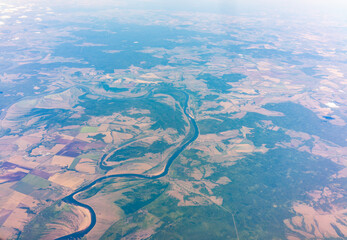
[(192, 135)]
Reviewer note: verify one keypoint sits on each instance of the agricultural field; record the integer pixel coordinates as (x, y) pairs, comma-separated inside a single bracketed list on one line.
[(121, 123)]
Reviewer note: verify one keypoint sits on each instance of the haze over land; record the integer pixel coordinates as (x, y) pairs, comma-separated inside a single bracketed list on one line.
[(173, 120)]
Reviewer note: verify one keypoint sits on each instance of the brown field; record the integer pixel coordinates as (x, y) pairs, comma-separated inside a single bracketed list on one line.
[(243, 148), (19, 160), (7, 233), (269, 80), (197, 174), (57, 148), (9, 201), (223, 180), (9, 198), (149, 75), (76, 219), (62, 160), (103, 128), (107, 213), (86, 136), (182, 191), (317, 224), (17, 219), (120, 137), (26, 141), (86, 165), (66, 137), (68, 179), (41, 150), (131, 167), (108, 138)]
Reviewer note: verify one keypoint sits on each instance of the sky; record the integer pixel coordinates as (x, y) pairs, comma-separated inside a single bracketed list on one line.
[(332, 8), (338, 7)]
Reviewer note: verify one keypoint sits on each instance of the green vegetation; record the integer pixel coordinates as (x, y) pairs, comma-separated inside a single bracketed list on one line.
[(219, 108), (23, 187), (88, 129), (39, 225), (137, 150), (260, 136), (36, 181), (178, 222), (264, 186), (173, 221), (260, 195), (128, 152), (192, 153), (193, 156), (211, 97), (108, 186), (233, 77), (31, 183), (219, 149), (178, 95), (92, 155), (297, 118), (112, 89), (93, 190), (162, 114), (74, 163), (49, 117), (122, 228), (141, 195), (98, 137), (136, 197), (158, 146), (301, 119), (203, 222), (220, 84), (207, 126)]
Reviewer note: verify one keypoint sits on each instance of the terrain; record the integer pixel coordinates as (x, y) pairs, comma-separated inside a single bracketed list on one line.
[(126, 123)]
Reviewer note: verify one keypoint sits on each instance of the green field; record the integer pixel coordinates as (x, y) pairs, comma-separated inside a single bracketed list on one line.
[(31, 183), (138, 150), (40, 224), (89, 129), (260, 194)]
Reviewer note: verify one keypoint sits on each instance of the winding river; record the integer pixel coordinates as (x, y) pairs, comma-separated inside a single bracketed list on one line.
[(191, 137)]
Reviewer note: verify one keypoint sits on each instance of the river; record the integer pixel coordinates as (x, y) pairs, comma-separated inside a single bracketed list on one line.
[(191, 137)]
